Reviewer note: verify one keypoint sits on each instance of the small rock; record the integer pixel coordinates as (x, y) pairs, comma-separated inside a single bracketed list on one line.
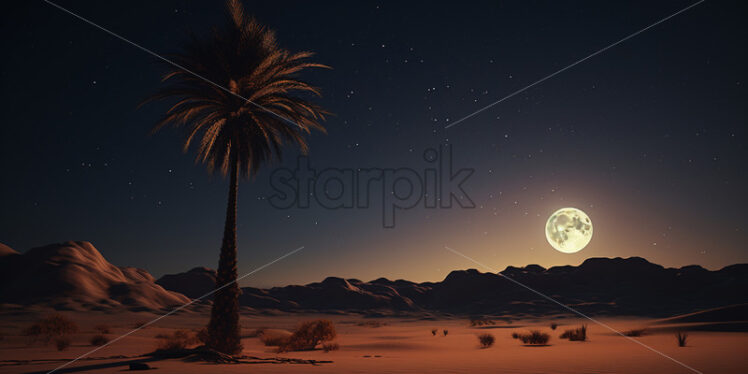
[(139, 366)]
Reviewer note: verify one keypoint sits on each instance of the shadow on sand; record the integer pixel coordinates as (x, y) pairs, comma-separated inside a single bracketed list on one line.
[(100, 366)]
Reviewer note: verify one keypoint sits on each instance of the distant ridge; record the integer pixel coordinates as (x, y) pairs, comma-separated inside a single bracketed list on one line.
[(193, 284), (74, 275), (612, 286)]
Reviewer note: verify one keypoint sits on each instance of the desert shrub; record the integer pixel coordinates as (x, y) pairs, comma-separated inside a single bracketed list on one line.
[(635, 332), (102, 329), (445, 332), (202, 335), (486, 340), (139, 325), (327, 347), (274, 340), (62, 343), (32, 330), (515, 335), (535, 337), (51, 327), (576, 335), (481, 322), (682, 338), (309, 334), (371, 324), (98, 340), (433, 331), (554, 325), (179, 339), (256, 333)]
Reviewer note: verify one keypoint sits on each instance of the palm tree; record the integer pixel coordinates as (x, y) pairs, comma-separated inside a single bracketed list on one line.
[(236, 91)]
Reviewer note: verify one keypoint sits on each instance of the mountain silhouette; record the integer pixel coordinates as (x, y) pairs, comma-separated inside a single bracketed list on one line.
[(612, 286), (74, 275)]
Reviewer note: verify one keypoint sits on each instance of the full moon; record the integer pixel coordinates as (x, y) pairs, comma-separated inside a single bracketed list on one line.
[(568, 230)]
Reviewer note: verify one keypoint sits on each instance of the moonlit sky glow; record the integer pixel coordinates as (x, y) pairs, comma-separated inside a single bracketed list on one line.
[(648, 138)]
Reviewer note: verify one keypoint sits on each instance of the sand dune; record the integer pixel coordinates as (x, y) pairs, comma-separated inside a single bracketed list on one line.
[(728, 313), (732, 318), (74, 275), (5, 250)]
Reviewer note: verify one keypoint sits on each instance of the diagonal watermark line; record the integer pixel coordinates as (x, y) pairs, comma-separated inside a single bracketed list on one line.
[(154, 54), (571, 65), (174, 310), (569, 308)]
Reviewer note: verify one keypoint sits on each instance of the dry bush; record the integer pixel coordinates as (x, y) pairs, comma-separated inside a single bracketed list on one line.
[(327, 347), (682, 338), (34, 332), (51, 327), (576, 335), (256, 333), (535, 337), (180, 339), (554, 325), (371, 324), (62, 343), (274, 340), (445, 332), (202, 335), (102, 329), (308, 335), (481, 322), (98, 340), (515, 335), (434, 331), (486, 340), (635, 332)]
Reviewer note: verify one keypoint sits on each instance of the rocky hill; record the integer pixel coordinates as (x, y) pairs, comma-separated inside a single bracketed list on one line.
[(613, 286), (74, 275)]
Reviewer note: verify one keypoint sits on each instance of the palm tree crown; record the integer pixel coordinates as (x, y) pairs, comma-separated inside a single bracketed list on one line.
[(235, 94)]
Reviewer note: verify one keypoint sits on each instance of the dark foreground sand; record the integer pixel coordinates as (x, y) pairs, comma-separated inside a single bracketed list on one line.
[(400, 346)]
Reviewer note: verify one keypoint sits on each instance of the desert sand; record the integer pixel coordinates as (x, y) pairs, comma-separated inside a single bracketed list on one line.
[(398, 345), (74, 280)]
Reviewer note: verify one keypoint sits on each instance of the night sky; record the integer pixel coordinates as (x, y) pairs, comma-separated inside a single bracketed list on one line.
[(648, 138)]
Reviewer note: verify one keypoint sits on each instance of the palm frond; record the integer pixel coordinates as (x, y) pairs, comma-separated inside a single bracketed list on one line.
[(244, 58)]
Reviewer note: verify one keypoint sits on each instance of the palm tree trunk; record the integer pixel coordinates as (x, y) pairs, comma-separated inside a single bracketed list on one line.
[(223, 330)]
